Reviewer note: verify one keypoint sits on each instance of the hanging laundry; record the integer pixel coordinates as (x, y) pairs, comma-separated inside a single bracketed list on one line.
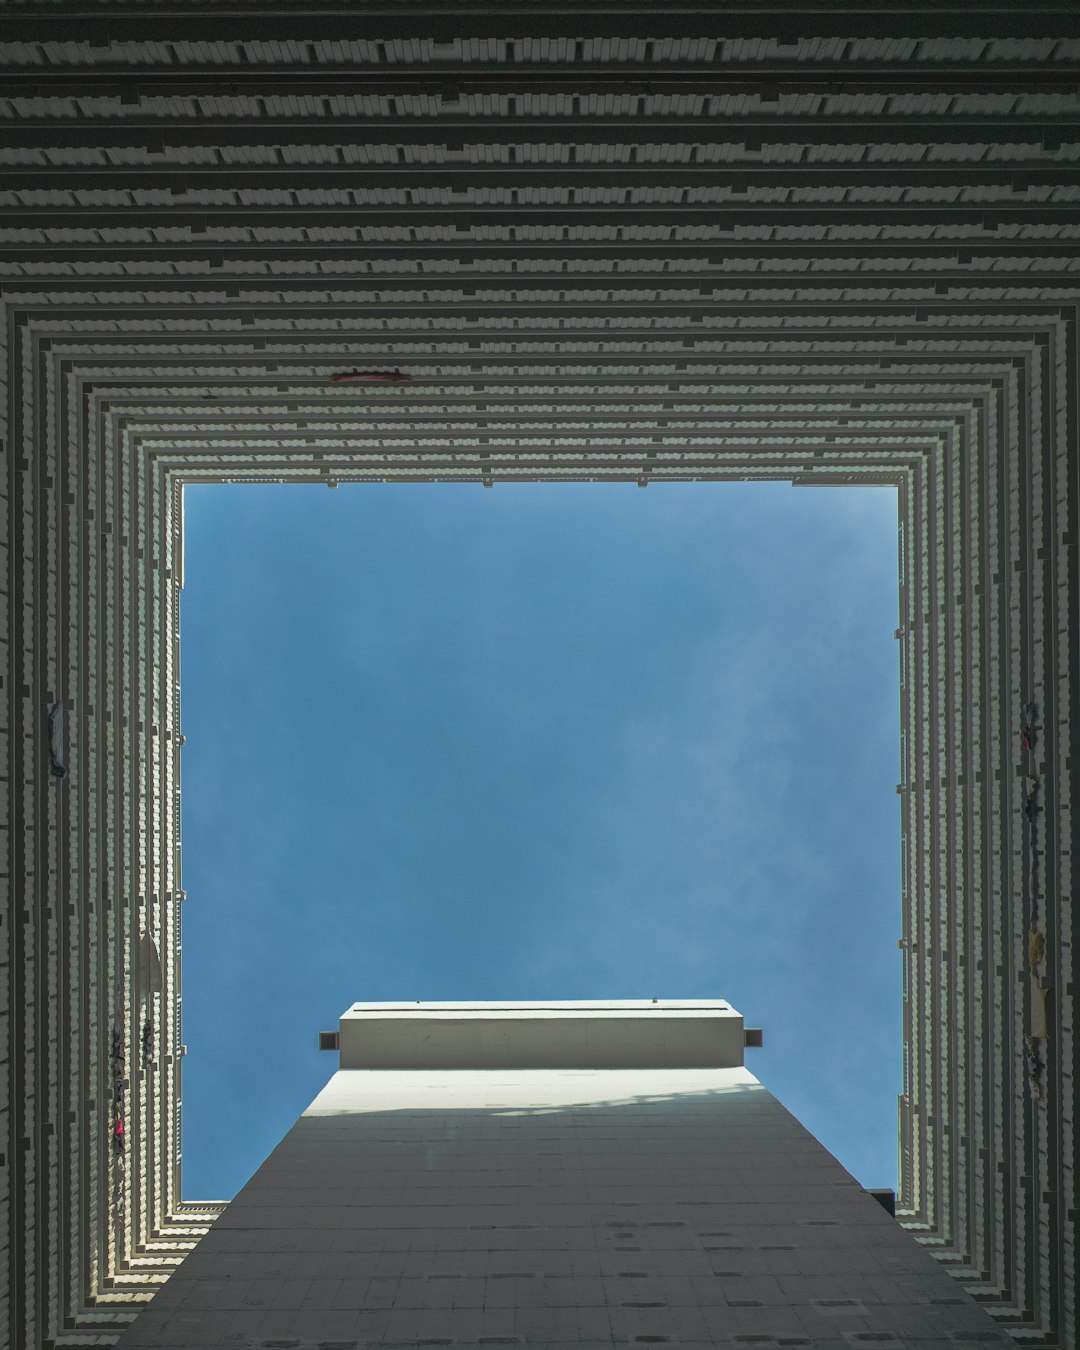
[(1034, 1066), (1040, 1024), (370, 377), (1028, 718), (1036, 947), (57, 746)]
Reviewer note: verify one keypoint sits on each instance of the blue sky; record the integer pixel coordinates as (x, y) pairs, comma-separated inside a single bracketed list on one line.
[(559, 741)]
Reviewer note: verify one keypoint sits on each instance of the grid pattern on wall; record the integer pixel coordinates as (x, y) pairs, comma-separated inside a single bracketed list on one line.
[(572, 1211), (607, 242)]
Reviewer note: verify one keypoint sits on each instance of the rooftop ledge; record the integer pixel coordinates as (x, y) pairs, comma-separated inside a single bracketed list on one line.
[(542, 1034)]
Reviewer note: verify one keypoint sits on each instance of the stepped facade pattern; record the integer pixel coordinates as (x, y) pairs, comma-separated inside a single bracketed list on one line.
[(610, 242)]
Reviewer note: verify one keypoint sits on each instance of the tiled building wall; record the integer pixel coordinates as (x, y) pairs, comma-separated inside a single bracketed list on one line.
[(555, 1208)]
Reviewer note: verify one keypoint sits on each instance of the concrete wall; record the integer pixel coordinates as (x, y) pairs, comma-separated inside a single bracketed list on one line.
[(555, 1208), (553, 1034)]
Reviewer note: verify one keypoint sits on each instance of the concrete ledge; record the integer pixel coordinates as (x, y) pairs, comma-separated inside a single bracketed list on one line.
[(629, 1034)]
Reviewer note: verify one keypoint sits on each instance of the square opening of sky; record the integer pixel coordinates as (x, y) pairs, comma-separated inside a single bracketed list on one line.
[(546, 741)]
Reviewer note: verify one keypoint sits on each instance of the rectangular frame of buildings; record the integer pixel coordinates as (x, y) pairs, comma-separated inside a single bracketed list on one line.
[(597, 261)]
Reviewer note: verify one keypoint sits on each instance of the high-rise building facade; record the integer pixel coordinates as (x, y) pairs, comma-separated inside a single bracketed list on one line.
[(572, 1176), (515, 242)]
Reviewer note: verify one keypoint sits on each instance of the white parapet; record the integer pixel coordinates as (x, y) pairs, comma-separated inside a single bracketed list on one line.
[(583, 1033)]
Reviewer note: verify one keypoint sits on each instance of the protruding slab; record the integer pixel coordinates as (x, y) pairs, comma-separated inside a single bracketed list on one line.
[(587, 1033)]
